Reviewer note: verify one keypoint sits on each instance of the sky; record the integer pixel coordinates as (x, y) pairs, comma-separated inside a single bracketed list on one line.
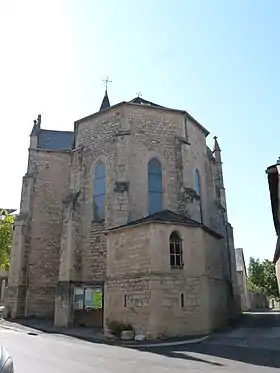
[(217, 59)]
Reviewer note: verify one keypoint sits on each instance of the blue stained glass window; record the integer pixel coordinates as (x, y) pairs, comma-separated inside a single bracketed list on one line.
[(155, 186), (100, 170), (99, 193), (197, 187), (155, 183), (99, 186)]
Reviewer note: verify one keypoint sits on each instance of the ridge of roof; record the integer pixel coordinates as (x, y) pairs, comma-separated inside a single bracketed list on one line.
[(168, 216), (142, 101), (147, 104)]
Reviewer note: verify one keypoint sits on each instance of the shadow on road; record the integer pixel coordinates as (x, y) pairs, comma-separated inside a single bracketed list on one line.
[(180, 355), (252, 322), (258, 357)]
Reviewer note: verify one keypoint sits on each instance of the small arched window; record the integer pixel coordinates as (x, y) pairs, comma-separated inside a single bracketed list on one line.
[(197, 186), (182, 300), (99, 192), (175, 251), (155, 201)]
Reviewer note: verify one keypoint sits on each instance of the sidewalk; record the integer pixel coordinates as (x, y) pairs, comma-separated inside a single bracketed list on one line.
[(35, 326)]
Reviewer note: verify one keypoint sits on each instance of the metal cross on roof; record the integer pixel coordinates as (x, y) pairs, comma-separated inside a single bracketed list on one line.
[(139, 94), (107, 81)]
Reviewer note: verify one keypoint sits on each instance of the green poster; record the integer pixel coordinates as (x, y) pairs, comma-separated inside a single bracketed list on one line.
[(97, 299)]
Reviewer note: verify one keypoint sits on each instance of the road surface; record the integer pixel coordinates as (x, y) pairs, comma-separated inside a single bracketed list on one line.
[(47, 353)]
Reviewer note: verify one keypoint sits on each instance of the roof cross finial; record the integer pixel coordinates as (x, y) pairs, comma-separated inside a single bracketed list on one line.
[(107, 81), (139, 94)]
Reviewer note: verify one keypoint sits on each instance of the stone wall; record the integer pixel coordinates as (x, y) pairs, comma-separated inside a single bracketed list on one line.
[(234, 303), (129, 299), (216, 280), (16, 292), (97, 141), (258, 301), (174, 317), (125, 139), (218, 313), (59, 240), (243, 291), (143, 290), (51, 184), (128, 291)]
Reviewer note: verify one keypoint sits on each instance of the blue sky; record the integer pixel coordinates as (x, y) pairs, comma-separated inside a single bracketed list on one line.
[(217, 59)]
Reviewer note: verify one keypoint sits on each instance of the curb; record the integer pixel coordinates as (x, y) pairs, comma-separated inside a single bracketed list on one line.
[(15, 329), (112, 342), (130, 344), (170, 344)]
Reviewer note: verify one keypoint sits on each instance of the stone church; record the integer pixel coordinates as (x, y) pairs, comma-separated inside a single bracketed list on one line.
[(124, 219)]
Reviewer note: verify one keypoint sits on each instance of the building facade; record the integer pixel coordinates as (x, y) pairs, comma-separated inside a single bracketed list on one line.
[(125, 219), (242, 280), (273, 175)]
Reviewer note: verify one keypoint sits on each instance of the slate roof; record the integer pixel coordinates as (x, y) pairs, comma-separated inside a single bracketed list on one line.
[(210, 154), (55, 140), (141, 101), (169, 217), (105, 102)]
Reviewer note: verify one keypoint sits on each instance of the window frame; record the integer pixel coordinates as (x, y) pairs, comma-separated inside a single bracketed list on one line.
[(155, 186), (175, 251), (182, 300)]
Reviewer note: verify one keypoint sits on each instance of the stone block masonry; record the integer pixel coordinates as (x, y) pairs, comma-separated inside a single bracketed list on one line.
[(62, 245)]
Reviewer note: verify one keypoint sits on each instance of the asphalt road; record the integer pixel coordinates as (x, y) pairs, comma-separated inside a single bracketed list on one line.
[(47, 353)]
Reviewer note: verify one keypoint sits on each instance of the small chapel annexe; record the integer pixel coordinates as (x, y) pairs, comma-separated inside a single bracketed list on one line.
[(124, 219)]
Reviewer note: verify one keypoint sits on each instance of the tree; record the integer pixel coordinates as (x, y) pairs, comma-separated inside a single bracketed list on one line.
[(6, 237), (262, 277), (255, 272), (269, 278)]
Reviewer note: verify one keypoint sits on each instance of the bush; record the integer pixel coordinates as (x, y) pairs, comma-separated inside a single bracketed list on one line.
[(116, 327)]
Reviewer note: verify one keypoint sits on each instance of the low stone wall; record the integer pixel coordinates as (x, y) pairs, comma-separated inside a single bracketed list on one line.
[(274, 304), (258, 301), (3, 284)]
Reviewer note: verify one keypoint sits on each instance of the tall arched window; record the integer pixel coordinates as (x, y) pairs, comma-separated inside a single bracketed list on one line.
[(155, 186), (175, 251), (197, 186), (99, 192)]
